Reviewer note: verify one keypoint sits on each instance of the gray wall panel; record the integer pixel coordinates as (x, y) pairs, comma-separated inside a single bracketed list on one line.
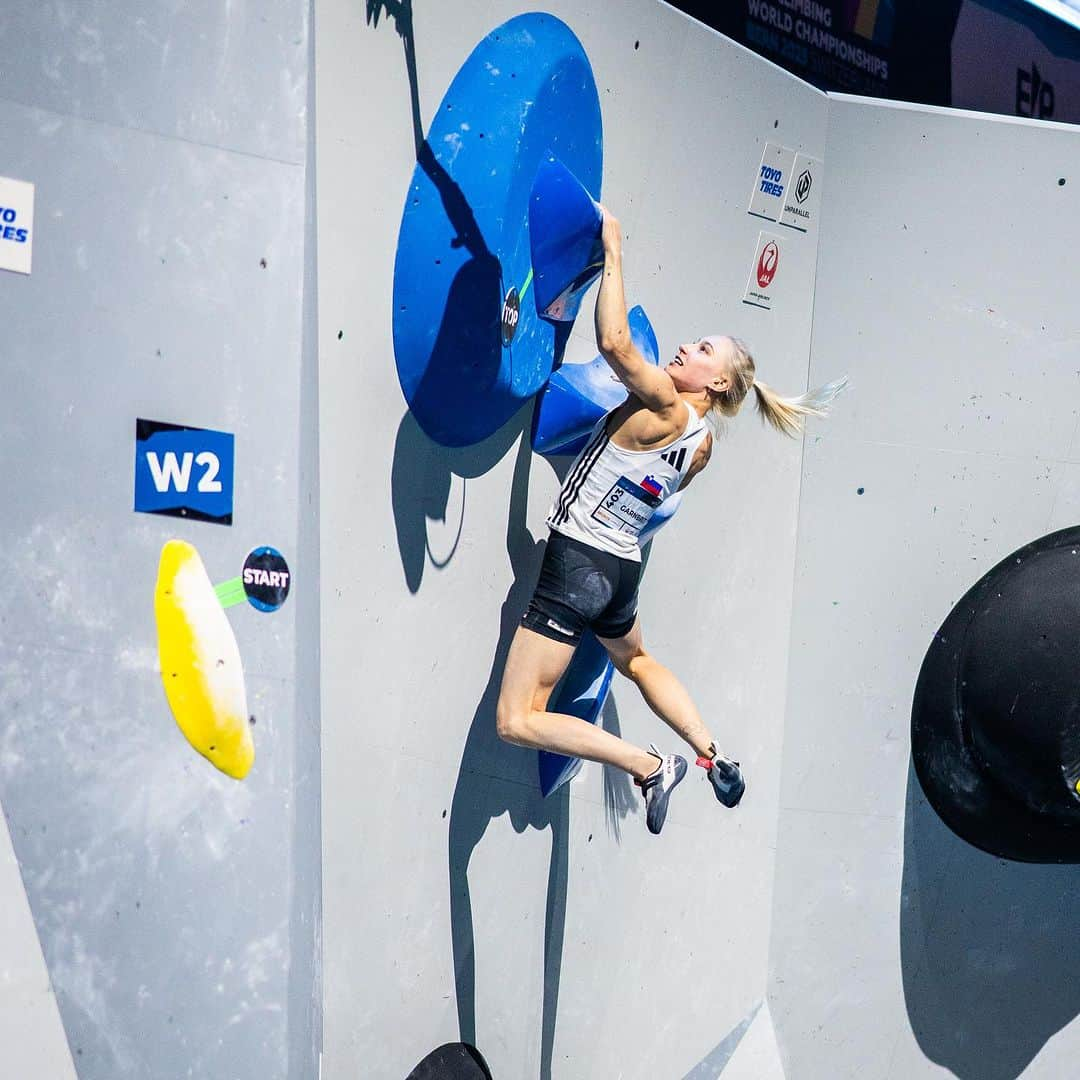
[(137, 308), (947, 289), (232, 75), (305, 967), (178, 911), (164, 893), (412, 651), (33, 1035)]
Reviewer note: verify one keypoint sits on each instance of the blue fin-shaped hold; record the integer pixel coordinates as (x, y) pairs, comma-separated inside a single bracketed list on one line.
[(564, 239), (577, 395), (583, 693)]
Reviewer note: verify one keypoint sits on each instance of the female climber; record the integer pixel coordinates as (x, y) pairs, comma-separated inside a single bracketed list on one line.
[(647, 448)]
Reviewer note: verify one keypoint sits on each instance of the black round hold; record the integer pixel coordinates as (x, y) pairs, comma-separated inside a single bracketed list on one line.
[(995, 724), (452, 1061)]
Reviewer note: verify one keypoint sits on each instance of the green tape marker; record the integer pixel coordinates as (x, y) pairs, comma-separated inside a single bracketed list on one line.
[(231, 592), (525, 287)]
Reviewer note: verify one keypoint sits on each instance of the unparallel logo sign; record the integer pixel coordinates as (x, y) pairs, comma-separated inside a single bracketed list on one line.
[(804, 194)]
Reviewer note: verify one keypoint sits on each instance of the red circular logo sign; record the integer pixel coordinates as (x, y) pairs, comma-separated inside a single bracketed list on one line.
[(766, 267)]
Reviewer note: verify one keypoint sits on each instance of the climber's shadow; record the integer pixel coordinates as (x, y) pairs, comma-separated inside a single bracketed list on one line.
[(988, 975)]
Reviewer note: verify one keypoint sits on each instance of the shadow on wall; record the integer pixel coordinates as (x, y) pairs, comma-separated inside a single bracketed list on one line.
[(422, 483), (493, 778), (986, 949), (423, 471), (471, 319), (496, 779), (469, 337), (620, 799), (401, 12)]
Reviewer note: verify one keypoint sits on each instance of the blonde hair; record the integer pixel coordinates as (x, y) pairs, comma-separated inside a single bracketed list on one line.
[(785, 414)]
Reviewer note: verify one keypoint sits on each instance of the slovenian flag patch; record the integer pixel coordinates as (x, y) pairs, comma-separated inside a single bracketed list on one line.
[(651, 486)]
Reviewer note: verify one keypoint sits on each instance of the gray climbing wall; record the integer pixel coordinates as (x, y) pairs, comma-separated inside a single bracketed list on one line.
[(947, 287), (175, 909), (556, 936), (458, 903), (162, 920)]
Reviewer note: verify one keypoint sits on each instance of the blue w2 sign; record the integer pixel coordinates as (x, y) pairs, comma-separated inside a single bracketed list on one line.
[(183, 471)]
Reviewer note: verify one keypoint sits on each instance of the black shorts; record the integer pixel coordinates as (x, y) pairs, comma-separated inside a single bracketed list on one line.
[(582, 587)]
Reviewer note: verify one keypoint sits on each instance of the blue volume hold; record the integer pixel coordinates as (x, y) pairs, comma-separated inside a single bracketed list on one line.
[(577, 395), (469, 345), (583, 693), (564, 232)]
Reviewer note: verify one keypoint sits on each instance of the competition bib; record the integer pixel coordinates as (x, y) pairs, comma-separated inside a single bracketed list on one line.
[(628, 506)]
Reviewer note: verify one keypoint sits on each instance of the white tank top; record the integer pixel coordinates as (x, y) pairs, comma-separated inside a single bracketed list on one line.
[(610, 493)]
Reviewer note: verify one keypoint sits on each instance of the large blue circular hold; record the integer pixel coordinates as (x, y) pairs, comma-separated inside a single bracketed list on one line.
[(469, 345)]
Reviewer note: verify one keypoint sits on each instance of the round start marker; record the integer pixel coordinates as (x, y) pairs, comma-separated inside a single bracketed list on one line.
[(266, 579)]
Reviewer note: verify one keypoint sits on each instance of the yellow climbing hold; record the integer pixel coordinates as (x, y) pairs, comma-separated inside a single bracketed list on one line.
[(200, 662)]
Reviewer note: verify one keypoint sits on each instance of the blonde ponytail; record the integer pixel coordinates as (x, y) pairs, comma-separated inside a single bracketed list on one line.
[(786, 415)]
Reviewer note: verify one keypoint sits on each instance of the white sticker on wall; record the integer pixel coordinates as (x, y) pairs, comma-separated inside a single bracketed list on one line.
[(760, 287), (803, 196), (16, 224), (770, 184)]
